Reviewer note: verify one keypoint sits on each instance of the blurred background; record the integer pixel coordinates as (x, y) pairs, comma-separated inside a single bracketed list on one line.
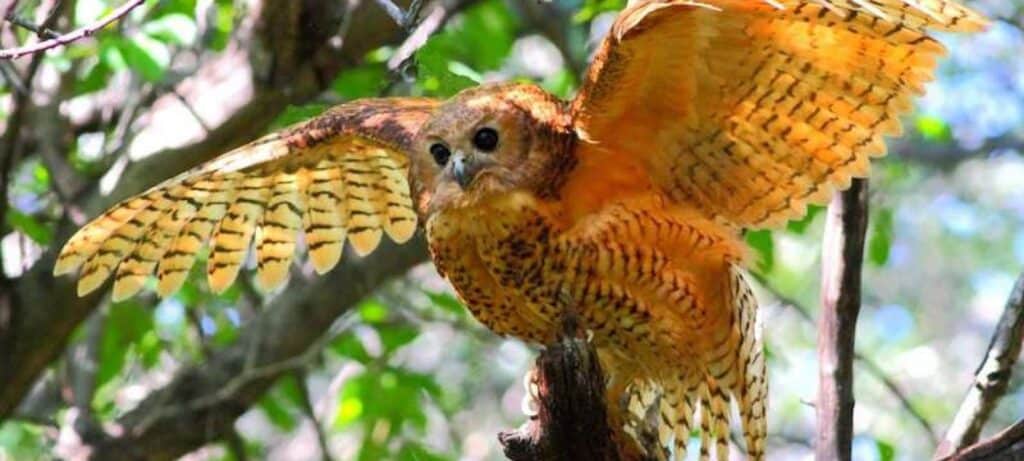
[(405, 373)]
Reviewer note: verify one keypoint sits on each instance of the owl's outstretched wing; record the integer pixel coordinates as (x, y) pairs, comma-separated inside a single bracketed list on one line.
[(341, 175), (750, 110)]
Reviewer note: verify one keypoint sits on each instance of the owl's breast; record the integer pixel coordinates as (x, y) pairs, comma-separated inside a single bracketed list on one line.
[(495, 255), (645, 278)]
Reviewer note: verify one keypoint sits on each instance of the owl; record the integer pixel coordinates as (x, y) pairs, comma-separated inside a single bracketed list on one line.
[(624, 207)]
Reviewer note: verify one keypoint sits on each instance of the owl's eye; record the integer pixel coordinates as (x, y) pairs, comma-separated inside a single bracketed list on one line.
[(440, 153), (485, 139)]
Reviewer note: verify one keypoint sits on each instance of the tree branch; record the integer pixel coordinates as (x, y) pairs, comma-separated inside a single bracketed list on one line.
[(120, 12), (202, 402), (1007, 445), (867, 362), (991, 379), (41, 303), (842, 259), (572, 416)]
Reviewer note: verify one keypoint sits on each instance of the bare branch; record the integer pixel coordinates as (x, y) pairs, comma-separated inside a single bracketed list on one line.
[(842, 259), (991, 379), (1007, 445), (434, 21), (120, 12), (865, 361), (41, 31)]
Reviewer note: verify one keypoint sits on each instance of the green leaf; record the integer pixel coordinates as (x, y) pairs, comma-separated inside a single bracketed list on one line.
[(800, 226), (561, 84), (95, 79), (127, 323), (282, 402), (455, 58), (350, 403), (28, 225), (349, 409), (886, 452), (225, 332), (934, 129), (761, 241), (147, 56), (296, 114), (412, 451), (276, 412), (880, 240), (111, 55), (349, 345), (361, 82), (223, 24), (435, 74), (592, 8), (288, 388), (394, 337), (176, 28), (372, 311), (446, 302)]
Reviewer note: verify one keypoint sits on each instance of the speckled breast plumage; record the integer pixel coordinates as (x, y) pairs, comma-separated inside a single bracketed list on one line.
[(638, 276)]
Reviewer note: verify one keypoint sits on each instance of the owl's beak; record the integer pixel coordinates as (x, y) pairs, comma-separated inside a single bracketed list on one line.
[(464, 169)]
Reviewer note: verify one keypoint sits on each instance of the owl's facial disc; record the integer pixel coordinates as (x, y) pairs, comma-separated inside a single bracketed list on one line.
[(469, 141), (463, 165), (486, 140)]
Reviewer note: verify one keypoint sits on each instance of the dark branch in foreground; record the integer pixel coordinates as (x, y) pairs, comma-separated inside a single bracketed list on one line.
[(572, 420), (991, 379), (842, 259)]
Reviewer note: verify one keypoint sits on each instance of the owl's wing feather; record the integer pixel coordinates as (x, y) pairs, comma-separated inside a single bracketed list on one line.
[(342, 175), (749, 110)]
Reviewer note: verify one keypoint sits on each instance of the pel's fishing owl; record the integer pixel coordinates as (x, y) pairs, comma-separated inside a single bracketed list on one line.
[(696, 120)]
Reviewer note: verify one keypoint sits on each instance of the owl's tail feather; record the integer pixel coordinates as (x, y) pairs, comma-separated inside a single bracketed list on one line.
[(735, 372)]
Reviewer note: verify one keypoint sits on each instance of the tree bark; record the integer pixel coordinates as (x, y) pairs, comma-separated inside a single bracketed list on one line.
[(572, 419), (992, 378), (842, 260)]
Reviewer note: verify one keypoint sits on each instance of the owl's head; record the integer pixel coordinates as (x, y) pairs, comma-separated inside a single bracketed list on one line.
[(490, 139)]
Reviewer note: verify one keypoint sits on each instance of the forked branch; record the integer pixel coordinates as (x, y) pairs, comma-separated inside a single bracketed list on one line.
[(991, 379), (78, 34)]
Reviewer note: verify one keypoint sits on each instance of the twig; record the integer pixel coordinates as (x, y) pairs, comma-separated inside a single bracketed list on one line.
[(120, 12), (191, 110), (991, 379), (42, 32), (401, 60), (842, 259), (82, 368), (307, 408), (248, 375), (867, 362), (404, 18), (11, 77), (10, 147), (1006, 445)]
